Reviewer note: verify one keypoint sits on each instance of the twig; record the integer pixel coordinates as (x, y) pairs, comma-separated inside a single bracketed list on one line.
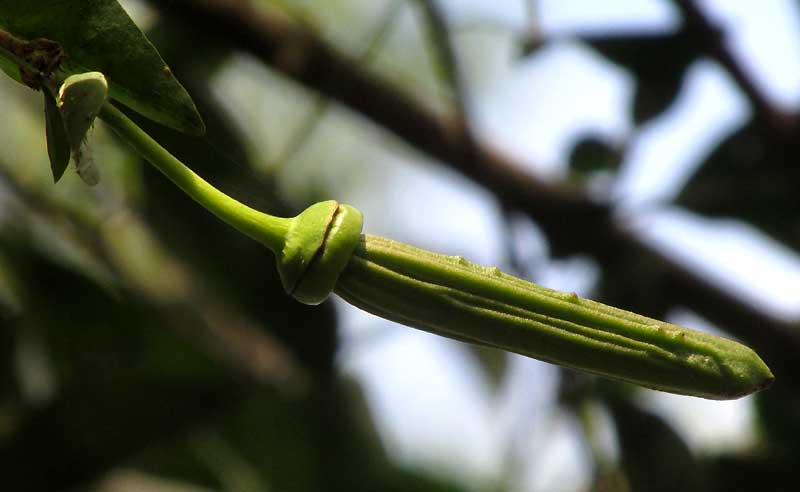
[(712, 37), (439, 39), (321, 103)]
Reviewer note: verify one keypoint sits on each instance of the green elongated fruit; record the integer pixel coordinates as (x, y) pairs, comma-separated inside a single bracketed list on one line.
[(80, 99), (323, 249), (57, 144), (454, 298)]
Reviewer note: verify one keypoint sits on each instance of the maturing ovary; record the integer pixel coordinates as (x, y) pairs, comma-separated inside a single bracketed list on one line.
[(451, 297)]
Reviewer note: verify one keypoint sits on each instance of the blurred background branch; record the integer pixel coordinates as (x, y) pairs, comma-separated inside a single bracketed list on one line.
[(713, 39)]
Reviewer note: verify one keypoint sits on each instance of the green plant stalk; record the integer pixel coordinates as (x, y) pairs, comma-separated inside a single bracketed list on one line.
[(311, 249), (262, 227), (322, 250)]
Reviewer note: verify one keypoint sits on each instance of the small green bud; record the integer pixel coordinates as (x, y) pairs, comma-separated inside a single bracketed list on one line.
[(80, 99)]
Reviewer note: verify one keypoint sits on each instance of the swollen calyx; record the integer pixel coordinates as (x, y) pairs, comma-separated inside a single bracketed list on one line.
[(319, 243)]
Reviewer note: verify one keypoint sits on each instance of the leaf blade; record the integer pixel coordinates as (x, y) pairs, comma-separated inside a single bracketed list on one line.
[(57, 144), (98, 35)]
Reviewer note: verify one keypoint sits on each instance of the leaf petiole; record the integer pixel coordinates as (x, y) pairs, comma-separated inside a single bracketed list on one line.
[(264, 228)]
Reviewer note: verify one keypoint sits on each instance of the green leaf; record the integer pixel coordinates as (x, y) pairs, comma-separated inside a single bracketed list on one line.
[(98, 35), (751, 177), (9, 67), (57, 144), (592, 153), (653, 455), (777, 419)]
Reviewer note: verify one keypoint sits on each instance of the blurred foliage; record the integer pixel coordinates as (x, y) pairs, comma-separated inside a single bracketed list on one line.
[(750, 176), (658, 62), (592, 154), (147, 346), (654, 457)]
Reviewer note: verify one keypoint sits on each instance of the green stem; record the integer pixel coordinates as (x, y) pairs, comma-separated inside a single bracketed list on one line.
[(266, 229)]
